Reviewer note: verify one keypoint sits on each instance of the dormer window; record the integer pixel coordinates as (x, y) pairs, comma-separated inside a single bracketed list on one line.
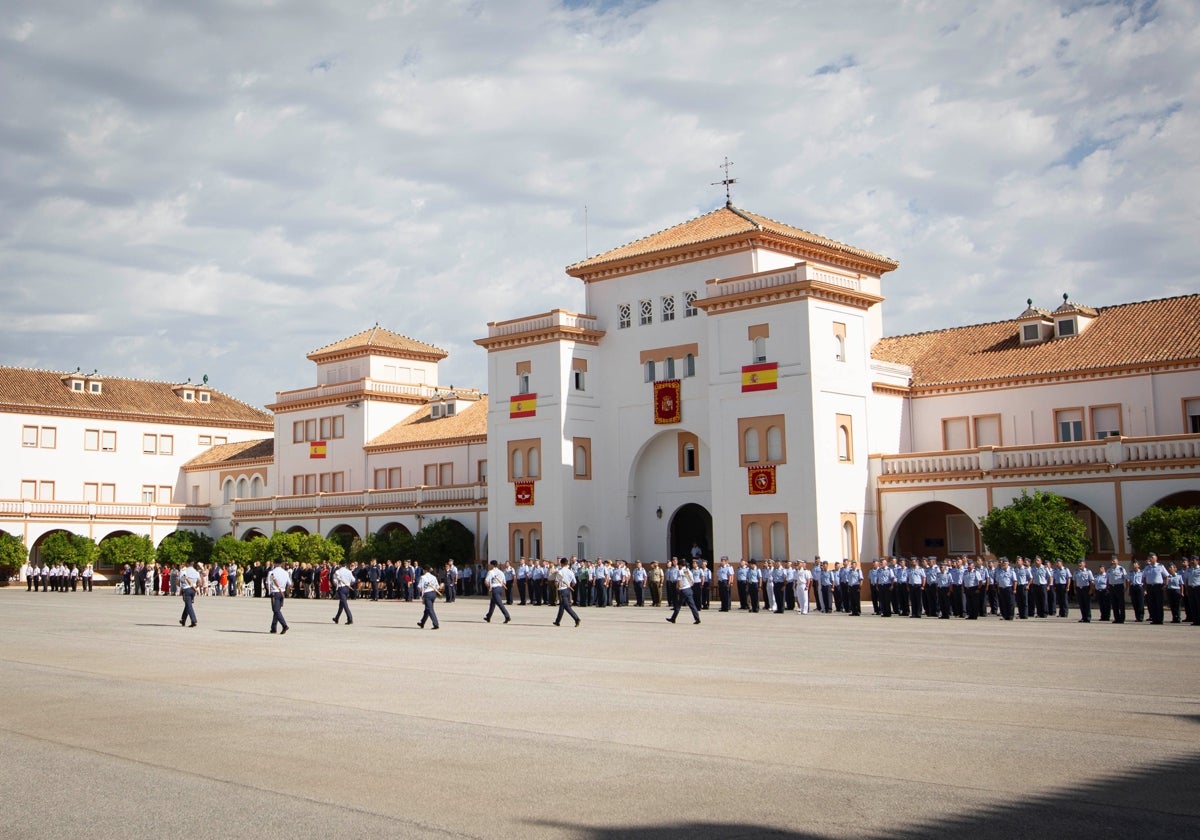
[(1066, 327), (1072, 318), (77, 385), (1036, 325), (204, 397), (188, 396), (1030, 332), (435, 411), (94, 387)]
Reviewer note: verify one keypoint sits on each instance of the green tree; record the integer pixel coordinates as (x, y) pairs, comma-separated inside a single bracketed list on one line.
[(1165, 530), (443, 540), (1041, 525), (131, 549), (183, 547), (69, 549), (12, 555), (230, 549)]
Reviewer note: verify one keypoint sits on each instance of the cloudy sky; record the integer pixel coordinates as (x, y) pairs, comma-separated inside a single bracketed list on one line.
[(192, 188)]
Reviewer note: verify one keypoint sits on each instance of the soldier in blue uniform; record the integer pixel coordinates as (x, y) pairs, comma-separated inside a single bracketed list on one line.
[(1117, 578), (1154, 577), (1084, 581), (752, 580), (1005, 582)]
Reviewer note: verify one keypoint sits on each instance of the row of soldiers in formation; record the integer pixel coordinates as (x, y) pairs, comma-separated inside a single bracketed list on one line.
[(57, 578)]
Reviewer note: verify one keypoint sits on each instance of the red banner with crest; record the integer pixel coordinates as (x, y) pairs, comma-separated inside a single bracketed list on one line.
[(668, 404)]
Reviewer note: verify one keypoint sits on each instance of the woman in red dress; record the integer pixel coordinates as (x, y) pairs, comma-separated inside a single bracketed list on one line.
[(324, 582), (165, 586)]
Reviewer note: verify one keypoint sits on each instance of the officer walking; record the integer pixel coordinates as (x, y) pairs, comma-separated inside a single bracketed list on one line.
[(278, 582), (189, 581), (684, 595), (495, 584), (343, 580), (565, 582), (429, 588)]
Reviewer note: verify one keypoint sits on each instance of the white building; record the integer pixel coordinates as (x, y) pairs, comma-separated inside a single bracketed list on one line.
[(730, 385)]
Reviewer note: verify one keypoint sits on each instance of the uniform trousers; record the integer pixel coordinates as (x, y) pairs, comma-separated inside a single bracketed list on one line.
[(429, 615), (564, 606), (655, 593), (1116, 599), (884, 591), (1085, 604), (827, 597), (1037, 593), (1193, 599), (780, 595), (944, 601), (1175, 601), (1137, 599), (854, 594), (277, 611), (1004, 595), (497, 601), (1060, 596), (751, 596), (802, 600), (189, 613), (1022, 600), (1154, 602), (973, 602), (343, 593), (726, 596), (639, 593), (685, 597), (1102, 603), (914, 600)]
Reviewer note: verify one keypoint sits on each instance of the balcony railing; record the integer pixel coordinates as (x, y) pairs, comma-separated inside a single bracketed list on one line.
[(31, 509), (545, 321), (399, 500), (360, 387), (1082, 456), (799, 273)]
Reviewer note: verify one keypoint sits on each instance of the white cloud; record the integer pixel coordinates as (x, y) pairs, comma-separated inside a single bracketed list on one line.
[(221, 189)]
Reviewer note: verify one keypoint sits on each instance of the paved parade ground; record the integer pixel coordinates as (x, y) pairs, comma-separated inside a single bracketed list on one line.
[(118, 723)]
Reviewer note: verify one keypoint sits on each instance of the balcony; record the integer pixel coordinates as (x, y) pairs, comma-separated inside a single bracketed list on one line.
[(132, 513), (399, 501), (1123, 455), (555, 319)]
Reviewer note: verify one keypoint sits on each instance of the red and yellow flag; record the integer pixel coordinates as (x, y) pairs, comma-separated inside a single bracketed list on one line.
[(764, 377), (762, 480), (668, 404), (523, 492), (316, 449), (522, 405)]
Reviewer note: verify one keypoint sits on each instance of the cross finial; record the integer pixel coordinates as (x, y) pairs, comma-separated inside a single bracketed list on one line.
[(727, 182)]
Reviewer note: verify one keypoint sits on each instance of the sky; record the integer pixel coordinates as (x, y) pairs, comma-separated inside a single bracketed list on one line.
[(219, 188)]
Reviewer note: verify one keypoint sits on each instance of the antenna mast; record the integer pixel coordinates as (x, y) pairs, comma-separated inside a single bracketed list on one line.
[(727, 182)]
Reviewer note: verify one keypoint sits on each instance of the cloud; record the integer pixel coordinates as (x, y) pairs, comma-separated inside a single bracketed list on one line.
[(222, 188)]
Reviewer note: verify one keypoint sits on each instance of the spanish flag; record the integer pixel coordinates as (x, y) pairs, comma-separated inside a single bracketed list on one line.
[(522, 405), (764, 377), (316, 449)]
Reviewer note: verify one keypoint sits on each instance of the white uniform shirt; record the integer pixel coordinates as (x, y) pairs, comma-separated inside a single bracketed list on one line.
[(189, 578), (343, 577), (278, 580), (495, 578), (428, 583)]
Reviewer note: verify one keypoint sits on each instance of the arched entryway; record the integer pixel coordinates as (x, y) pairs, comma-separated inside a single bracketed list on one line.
[(690, 525), (935, 529)]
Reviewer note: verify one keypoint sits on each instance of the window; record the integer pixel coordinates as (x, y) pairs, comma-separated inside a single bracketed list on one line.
[(339, 426), (29, 489), (645, 313), (431, 475), (759, 353), (849, 537), (839, 341), (147, 494), (91, 440), (76, 385), (524, 458), (310, 430), (45, 437), (393, 477), (669, 368), (94, 387), (762, 440), (204, 396), (689, 462), (579, 374), (987, 430), (1106, 421), (1066, 327), (765, 535), (1191, 416), (1069, 423), (91, 491), (149, 444), (310, 484), (689, 305), (108, 493), (326, 424), (1030, 332), (381, 481), (623, 316), (668, 308), (523, 383), (188, 396), (297, 488), (845, 437), (220, 440), (317, 428), (955, 433), (435, 410), (332, 482), (450, 409), (481, 471), (164, 496), (44, 491), (446, 474), (195, 494), (582, 448), (108, 441), (649, 371), (204, 440), (689, 365)]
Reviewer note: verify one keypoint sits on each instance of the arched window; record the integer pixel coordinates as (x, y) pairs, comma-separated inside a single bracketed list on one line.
[(760, 350), (839, 348), (256, 486), (533, 463), (778, 541), (243, 488), (581, 464), (751, 445), (227, 491), (843, 443), (774, 444), (754, 541), (848, 547), (535, 543), (518, 463), (689, 458), (518, 545)]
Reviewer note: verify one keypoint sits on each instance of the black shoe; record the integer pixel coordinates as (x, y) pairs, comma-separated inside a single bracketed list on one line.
[(349, 622), (334, 620), (555, 623), (419, 624), (671, 620), (507, 620), (577, 621), (181, 622), (193, 624), (697, 621), (284, 630), (435, 627), (488, 620), (273, 631)]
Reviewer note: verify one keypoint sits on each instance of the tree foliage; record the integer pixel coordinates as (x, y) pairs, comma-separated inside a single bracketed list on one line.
[(446, 539), (12, 554), (1039, 525), (1165, 530), (182, 547), (230, 549), (71, 549), (128, 548)]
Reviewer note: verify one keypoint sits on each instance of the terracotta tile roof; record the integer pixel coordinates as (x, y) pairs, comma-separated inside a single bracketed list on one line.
[(228, 453), (47, 391), (419, 427), (1129, 334), (377, 338), (720, 223)]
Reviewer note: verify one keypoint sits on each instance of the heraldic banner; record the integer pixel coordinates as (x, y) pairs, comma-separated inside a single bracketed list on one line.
[(524, 492), (668, 407), (762, 480)]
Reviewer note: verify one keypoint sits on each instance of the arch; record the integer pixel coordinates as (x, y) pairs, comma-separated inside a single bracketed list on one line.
[(297, 529), (393, 527), (35, 550), (935, 529), (535, 544), (251, 534), (227, 491), (1182, 499), (256, 486), (582, 467), (754, 541), (849, 542), (533, 463), (778, 536), (774, 444), (690, 524), (517, 549), (243, 488), (344, 535)]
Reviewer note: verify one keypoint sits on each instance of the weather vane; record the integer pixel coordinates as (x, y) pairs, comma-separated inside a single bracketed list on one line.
[(727, 183)]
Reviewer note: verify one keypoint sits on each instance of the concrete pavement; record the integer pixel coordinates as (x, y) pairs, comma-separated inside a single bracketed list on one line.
[(119, 723)]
